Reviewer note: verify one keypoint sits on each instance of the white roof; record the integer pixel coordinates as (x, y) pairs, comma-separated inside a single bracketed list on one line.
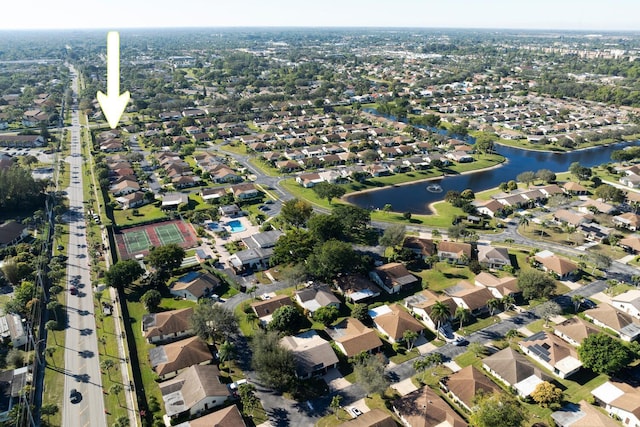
[(379, 311), (628, 296), (568, 364), (528, 385), (607, 392), (544, 254)]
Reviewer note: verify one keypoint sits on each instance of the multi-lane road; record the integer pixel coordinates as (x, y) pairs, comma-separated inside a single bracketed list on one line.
[(82, 363)]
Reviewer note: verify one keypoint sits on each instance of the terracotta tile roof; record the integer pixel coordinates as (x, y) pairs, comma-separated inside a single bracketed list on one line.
[(397, 321), (355, 337), (227, 417), (455, 247), (179, 355), (424, 408), (374, 418), (167, 322), (468, 382), (576, 329)]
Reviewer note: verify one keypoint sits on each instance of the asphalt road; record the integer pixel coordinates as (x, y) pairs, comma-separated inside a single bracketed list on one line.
[(82, 365)]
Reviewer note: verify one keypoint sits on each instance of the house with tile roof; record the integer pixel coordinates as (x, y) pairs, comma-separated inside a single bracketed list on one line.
[(514, 370), (393, 277), (463, 386), (574, 330), (313, 354), (226, 417), (169, 360), (630, 244), (628, 302), (315, 296), (552, 352), (492, 257), (353, 338), (422, 304), (498, 286), (424, 408), (628, 220), (395, 322), (264, 309), (167, 325), (457, 252), (356, 287), (582, 414), (620, 399), (473, 298), (424, 248), (550, 262), (194, 391), (374, 418), (606, 316)]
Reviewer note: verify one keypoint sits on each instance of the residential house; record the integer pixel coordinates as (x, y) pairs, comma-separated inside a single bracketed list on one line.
[(167, 325), (12, 384), (499, 287), (473, 298), (313, 355), (574, 330), (424, 248), (395, 322), (374, 418), (315, 296), (606, 316), (459, 253), (422, 304), (628, 220), (264, 309), (251, 259), (571, 217), (581, 414), (630, 244), (169, 360), (174, 200), (12, 232), (226, 417), (13, 330), (356, 288), (424, 408), (596, 205), (194, 391), (229, 210), (125, 187), (550, 262), (308, 180), (594, 232), (628, 302), (194, 285), (574, 189), (621, 400), (393, 277), (352, 338), (514, 370), (132, 200), (490, 207), (22, 141), (212, 194), (492, 257), (463, 386), (553, 353), (245, 191)]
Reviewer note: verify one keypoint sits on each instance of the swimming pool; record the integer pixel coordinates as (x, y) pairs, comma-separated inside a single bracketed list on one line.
[(214, 226), (235, 226)]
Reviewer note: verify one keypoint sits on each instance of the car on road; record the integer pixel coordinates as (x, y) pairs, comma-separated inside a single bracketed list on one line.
[(73, 290), (460, 341), (269, 202), (356, 412), (588, 304), (75, 396)]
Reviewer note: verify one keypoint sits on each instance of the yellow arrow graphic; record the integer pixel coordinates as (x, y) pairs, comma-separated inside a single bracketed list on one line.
[(113, 103)]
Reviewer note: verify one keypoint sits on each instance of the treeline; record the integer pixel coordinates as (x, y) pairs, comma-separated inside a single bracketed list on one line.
[(19, 191), (591, 92)]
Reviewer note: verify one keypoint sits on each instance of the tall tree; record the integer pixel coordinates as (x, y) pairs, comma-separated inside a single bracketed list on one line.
[(294, 246), (329, 191), (214, 322), (546, 394), (440, 313), (335, 404), (273, 363), (285, 319), (604, 354), (536, 284), (151, 300), (548, 309), (123, 273), (370, 374), (167, 257), (296, 212), (331, 258), (498, 410), (409, 337), (463, 315), (393, 235)]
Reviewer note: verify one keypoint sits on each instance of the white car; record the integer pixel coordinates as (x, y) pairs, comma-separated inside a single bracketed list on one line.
[(356, 412)]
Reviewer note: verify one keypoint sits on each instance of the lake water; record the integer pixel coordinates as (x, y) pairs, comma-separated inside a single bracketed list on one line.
[(415, 198)]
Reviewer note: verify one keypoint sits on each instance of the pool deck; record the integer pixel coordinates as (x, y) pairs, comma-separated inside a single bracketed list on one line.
[(219, 243)]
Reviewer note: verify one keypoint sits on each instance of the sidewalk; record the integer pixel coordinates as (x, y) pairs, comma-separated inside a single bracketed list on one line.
[(124, 362)]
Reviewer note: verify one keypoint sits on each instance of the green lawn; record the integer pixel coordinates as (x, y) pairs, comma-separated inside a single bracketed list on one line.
[(146, 213), (444, 275)]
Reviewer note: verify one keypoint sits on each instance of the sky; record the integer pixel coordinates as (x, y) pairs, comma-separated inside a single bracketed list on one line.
[(588, 15)]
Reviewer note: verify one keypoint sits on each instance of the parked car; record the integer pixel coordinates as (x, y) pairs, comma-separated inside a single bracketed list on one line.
[(356, 412), (460, 341)]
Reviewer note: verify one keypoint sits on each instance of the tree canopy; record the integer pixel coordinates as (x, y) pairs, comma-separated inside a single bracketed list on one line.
[(296, 212), (604, 354), (285, 319), (331, 258), (273, 363), (123, 273), (498, 410), (214, 322), (369, 374), (536, 284), (18, 190), (326, 190), (167, 257)]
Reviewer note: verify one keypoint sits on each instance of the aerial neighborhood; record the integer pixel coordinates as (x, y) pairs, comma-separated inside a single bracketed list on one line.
[(308, 228)]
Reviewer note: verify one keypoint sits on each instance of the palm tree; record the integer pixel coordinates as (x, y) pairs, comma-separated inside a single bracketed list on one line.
[(409, 337), (51, 326), (523, 221), (576, 300), (53, 307), (512, 334), (116, 389), (107, 364), (463, 315), (226, 353), (335, 404), (440, 313), (507, 301), (493, 305)]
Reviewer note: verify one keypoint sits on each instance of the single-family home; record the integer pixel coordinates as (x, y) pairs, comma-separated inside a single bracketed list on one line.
[(473, 298), (315, 296), (553, 353), (313, 355), (374, 418), (12, 232), (125, 187), (628, 302), (132, 200), (212, 194), (250, 259), (393, 277), (422, 303), (574, 330), (174, 200), (490, 207), (628, 220), (596, 205), (606, 316), (356, 287), (514, 370), (550, 262), (499, 287), (571, 217), (463, 386), (245, 191), (169, 360), (264, 309), (574, 188), (630, 244), (12, 384), (194, 391), (582, 414), (621, 400), (395, 322), (352, 338), (12, 329), (229, 416), (493, 257), (424, 408), (167, 325), (424, 248), (194, 285), (457, 252)]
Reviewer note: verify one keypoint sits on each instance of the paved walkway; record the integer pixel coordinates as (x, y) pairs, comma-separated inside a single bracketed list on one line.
[(124, 361)]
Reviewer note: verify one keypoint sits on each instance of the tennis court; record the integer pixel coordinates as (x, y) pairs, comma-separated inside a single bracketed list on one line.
[(169, 234), (137, 241)]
